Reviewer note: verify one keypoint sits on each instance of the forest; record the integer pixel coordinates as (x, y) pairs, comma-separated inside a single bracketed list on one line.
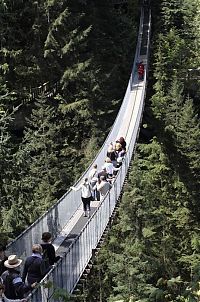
[(86, 48)]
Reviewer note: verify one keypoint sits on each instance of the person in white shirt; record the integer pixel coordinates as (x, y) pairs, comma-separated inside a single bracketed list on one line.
[(109, 167), (86, 195), (93, 173), (93, 178), (103, 186)]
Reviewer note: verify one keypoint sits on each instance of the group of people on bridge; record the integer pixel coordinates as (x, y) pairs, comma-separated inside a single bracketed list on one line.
[(99, 182), (14, 287)]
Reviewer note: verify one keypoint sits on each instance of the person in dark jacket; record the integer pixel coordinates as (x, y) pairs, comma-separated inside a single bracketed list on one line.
[(122, 141), (3, 258), (48, 248), (112, 154), (3, 297), (15, 288), (103, 173), (33, 268)]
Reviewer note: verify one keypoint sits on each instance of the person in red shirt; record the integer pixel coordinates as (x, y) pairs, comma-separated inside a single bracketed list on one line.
[(140, 71)]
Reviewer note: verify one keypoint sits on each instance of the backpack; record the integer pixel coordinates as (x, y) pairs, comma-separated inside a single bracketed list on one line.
[(10, 291), (45, 265)]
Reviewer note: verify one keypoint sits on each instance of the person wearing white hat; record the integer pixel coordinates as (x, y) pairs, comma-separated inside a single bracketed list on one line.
[(12, 262), (15, 288)]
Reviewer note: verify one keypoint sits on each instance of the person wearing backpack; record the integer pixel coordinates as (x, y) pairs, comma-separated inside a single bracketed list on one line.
[(34, 268), (15, 288), (49, 254), (3, 297)]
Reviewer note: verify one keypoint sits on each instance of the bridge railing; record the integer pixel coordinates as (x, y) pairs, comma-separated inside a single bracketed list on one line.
[(138, 47)]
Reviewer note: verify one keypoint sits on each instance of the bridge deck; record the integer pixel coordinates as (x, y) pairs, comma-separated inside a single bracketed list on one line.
[(78, 221), (72, 229)]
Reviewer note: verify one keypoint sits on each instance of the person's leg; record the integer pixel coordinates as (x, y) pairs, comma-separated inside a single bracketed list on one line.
[(97, 195), (94, 189), (84, 200), (88, 206)]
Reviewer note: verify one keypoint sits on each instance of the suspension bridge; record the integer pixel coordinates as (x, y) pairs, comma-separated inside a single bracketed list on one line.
[(77, 237)]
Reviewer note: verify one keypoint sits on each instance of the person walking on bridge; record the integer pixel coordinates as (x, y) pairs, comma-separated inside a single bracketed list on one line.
[(93, 178), (49, 253), (86, 195), (141, 71), (112, 154), (3, 297), (15, 288), (103, 186), (33, 268)]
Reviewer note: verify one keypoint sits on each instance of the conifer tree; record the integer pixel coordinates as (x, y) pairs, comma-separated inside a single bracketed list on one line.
[(5, 161), (65, 42), (37, 166), (172, 14), (189, 134), (174, 104), (23, 30), (40, 147), (7, 152)]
